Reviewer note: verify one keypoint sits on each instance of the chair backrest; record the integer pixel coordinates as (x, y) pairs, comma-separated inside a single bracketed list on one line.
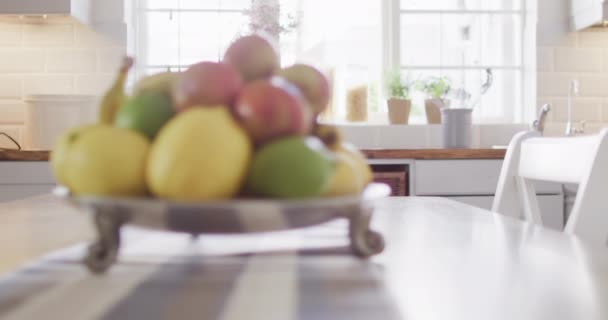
[(582, 160)]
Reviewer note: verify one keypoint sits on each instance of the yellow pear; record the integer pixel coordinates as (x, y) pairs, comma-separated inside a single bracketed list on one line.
[(346, 178), (201, 154), (360, 160)]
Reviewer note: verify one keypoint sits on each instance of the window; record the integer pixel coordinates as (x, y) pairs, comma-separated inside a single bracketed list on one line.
[(460, 40), (357, 42)]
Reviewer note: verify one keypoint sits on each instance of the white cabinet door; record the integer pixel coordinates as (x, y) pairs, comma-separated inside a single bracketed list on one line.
[(551, 207), (22, 179), (25, 172), (19, 191), (464, 177)]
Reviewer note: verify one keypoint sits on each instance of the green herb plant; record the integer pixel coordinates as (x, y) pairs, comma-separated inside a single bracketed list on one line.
[(437, 87), (396, 87)]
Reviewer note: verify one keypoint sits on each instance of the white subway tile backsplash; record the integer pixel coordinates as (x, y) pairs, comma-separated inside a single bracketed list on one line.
[(110, 59), (596, 38), (93, 84), (549, 35), (21, 60), (553, 84), (605, 60), (557, 84), (605, 111), (11, 86), (48, 84), (593, 128), (545, 59), (10, 34), (84, 36), (12, 112), (555, 129), (14, 132), (57, 55), (72, 61), (587, 109), (48, 34), (578, 60), (580, 55), (593, 85)]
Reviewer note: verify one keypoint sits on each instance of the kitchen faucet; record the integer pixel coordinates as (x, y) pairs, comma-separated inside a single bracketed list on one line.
[(572, 92), (539, 123)]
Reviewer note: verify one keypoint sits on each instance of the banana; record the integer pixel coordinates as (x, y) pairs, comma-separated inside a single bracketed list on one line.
[(115, 96), (330, 135)]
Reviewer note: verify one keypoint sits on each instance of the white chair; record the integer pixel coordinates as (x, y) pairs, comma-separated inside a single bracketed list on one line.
[(582, 160)]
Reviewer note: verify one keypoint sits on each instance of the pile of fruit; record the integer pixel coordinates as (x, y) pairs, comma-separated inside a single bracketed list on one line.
[(242, 127)]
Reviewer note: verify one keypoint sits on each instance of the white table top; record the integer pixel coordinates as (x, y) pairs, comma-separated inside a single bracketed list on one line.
[(443, 260)]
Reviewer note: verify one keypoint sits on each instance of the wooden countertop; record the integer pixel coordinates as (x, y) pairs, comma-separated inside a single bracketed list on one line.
[(23, 155), (29, 155), (439, 154)]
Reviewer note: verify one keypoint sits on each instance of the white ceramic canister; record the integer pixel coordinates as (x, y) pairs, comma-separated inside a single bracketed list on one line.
[(456, 128), (48, 116)]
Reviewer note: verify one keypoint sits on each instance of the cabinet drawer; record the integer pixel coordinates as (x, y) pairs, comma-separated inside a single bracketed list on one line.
[(464, 177), (25, 172), (19, 191)]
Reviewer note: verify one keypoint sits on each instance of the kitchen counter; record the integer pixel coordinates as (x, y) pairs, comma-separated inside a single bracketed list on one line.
[(438, 154), (23, 155), (29, 155)]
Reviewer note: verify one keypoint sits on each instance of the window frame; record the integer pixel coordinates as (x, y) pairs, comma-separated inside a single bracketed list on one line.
[(391, 14), (139, 18), (391, 29)]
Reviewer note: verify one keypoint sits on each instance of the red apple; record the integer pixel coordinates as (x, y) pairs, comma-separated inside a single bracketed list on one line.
[(311, 82), (272, 108), (253, 56), (207, 84)]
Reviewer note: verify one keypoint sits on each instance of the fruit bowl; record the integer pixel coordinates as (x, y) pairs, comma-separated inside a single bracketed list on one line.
[(226, 217)]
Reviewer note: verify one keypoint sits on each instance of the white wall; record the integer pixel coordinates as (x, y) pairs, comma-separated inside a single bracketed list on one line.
[(564, 55), (57, 55)]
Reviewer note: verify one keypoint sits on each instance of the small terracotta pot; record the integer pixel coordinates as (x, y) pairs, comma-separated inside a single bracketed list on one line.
[(433, 109), (399, 110)]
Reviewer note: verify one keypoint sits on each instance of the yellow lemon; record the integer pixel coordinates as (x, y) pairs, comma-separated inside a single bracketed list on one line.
[(201, 154), (59, 155), (101, 160), (360, 160)]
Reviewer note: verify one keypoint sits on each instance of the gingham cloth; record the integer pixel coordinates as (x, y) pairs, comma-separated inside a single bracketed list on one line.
[(306, 274)]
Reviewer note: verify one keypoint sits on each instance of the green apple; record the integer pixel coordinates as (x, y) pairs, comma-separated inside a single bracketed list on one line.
[(293, 167), (146, 113)]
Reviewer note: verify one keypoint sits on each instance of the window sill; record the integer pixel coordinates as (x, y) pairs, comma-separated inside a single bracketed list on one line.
[(422, 136)]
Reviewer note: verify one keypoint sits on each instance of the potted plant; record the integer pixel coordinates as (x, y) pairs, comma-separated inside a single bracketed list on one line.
[(398, 102), (269, 17), (436, 88)]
